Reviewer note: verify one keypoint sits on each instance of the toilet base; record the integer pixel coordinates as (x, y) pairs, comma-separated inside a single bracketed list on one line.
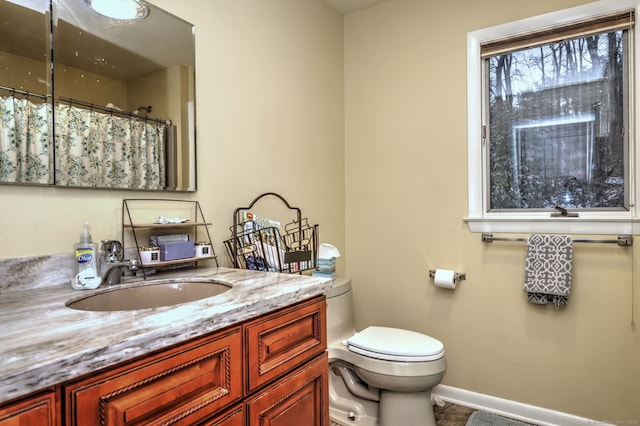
[(347, 409), (341, 418), (406, 408), (391, 409)]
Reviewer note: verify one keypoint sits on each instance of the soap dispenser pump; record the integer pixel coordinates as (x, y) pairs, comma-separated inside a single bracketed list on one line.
[(87, 274)]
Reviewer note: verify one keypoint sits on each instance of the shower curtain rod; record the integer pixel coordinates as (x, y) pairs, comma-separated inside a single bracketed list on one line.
[(23, 92), (621, 240), (113, 111)]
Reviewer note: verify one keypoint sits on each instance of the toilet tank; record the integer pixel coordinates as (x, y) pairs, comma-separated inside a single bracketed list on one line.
[(340, 324)]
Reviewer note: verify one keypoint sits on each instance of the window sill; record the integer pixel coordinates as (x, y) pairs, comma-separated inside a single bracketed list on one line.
[(561, 225)]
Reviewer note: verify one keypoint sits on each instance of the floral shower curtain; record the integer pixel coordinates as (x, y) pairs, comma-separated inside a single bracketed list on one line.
[(25, 141), (102, 150)]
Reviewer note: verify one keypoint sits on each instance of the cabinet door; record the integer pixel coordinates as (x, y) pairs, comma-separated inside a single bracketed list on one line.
[(279, 342), (35, 411), (180, 386), (300, 399)]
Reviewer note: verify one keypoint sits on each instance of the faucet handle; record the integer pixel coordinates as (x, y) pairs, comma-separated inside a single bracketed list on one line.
[(134, 264), (112, 251)]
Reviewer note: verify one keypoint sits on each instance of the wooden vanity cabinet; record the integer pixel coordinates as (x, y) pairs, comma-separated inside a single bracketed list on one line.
[(272, 370), (180, 386), (34, 410)]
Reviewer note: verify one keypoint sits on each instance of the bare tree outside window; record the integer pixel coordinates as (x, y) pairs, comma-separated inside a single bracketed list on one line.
[(556, 125)]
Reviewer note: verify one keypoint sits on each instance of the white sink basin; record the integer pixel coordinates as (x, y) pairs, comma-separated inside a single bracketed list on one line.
[(150, 295)]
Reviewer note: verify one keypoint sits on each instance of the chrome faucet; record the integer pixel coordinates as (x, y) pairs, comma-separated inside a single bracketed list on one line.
[(115, 270), (112, 260)]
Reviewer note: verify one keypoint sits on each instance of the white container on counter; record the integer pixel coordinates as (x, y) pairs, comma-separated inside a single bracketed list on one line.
[(203, 249), (149, 255)]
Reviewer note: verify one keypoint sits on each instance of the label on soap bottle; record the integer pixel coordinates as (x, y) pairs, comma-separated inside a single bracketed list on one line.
[(84, 255)]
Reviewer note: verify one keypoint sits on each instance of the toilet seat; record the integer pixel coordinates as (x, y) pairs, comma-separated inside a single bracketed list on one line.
[(393, 344)]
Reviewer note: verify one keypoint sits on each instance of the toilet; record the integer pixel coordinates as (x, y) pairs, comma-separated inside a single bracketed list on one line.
[(379, 376)]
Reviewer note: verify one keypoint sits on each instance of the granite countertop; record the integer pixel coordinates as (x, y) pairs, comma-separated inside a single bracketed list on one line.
[(45, 343)]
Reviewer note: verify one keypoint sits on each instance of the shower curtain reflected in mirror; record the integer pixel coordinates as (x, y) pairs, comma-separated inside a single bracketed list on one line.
[(96, 149), (26, 154)]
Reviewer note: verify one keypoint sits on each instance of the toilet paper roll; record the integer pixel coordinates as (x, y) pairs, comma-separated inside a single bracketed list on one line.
[(445, 278)]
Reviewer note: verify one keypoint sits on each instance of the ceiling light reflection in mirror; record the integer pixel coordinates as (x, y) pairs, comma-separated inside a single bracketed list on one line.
[(125, 10)]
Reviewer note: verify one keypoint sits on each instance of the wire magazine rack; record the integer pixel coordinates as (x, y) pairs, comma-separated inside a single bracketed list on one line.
[(258, 244)]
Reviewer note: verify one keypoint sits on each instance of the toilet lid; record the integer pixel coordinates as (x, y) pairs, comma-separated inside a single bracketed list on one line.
[(395, 344)]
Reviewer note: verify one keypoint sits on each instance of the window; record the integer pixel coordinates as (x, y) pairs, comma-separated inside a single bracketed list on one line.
[(549, 100)]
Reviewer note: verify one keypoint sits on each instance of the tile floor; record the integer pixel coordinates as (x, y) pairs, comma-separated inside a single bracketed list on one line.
[(452, 415), (447, 415)]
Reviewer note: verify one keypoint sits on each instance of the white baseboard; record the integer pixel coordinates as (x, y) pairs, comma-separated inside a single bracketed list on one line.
[(512, 409)]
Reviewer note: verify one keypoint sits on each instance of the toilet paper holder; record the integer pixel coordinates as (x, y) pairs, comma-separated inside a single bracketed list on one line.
[(459, 276)]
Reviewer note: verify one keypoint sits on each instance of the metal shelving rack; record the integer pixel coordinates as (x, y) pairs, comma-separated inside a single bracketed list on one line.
[(195, 222)]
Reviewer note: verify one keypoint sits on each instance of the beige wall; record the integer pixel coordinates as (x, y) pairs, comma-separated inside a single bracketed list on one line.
[(75, 83), (406, 192), (23, 73)]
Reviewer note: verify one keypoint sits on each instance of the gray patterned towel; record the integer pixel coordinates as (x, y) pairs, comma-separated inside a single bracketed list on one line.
[(547, 273)]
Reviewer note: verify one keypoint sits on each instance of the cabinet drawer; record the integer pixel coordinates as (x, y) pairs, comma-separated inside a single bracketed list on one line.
[(37, 410), (301, 398), (279, 342), (181, 386), (233, 417)]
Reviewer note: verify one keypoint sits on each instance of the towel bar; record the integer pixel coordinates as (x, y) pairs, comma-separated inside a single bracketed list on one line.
[(621, 240)]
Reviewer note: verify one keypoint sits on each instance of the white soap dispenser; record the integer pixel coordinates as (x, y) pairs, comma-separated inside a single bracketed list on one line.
[(87, 275)]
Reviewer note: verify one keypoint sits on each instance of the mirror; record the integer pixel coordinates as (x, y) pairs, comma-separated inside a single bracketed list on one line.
[(123, 95), (26, 142)]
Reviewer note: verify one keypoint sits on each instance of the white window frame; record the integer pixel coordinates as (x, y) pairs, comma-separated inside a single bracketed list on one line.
[(480, 219)]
